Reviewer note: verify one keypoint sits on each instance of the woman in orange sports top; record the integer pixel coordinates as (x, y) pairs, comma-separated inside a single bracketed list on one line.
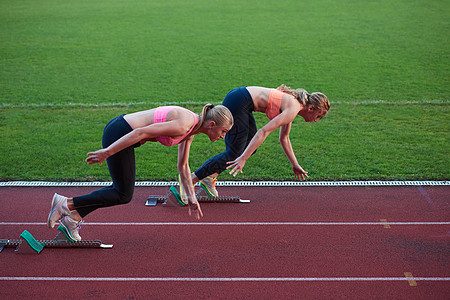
[(168, 125), (281, 106)]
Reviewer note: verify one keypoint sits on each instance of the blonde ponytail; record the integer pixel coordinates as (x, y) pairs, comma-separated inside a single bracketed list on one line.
[(217, 113), (317, 100)]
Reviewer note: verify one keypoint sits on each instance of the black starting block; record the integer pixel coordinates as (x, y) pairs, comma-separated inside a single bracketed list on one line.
[(174, 198), (27, 244)]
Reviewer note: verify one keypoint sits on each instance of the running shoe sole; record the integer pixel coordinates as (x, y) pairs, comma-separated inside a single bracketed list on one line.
[(66, 232), (203, 186)]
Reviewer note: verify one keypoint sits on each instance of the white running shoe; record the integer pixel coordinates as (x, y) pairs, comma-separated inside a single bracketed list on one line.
[(209, 185), (57, 210), (70, 228)]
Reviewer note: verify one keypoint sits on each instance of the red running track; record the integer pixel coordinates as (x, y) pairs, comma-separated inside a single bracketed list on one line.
[(288, 243)]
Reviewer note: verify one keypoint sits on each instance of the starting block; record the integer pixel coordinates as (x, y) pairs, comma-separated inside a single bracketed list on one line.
[(174, 198), (27, 244)]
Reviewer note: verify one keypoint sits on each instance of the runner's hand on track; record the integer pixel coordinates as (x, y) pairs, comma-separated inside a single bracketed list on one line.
[(194, 209), (237, 165), (300, 174)]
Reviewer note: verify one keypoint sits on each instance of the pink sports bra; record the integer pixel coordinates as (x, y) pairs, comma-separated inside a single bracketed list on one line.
[(160, 116), (274, 103)]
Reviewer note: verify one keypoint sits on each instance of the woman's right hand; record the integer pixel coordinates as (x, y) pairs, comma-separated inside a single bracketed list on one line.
[(97, 157), (300, 174), (194, 209)]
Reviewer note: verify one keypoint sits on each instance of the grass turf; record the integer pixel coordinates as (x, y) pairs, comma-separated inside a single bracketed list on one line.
[(352, 142), (59, 58)]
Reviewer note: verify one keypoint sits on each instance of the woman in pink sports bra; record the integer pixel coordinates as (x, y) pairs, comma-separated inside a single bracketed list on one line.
[(169, 125), (281, 105)]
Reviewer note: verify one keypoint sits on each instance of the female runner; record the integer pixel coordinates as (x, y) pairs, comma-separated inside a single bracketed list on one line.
[(169, 125), (281, 106)]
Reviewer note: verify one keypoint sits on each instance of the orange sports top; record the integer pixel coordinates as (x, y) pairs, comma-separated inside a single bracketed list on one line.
[(274, 104)]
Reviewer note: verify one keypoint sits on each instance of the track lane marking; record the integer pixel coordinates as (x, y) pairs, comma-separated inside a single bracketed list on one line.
[(385, 223), (236, 183), (233, 223), (30, 278), (410, 278)]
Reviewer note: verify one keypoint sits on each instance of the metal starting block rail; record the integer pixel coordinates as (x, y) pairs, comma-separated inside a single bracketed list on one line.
[(174, 198), (27, 244)]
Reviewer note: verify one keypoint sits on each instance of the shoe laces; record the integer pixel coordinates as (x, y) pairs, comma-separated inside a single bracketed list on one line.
[(79, 224), (214, 180)]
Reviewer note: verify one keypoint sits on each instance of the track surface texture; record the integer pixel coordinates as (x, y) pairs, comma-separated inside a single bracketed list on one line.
[(287, 243)]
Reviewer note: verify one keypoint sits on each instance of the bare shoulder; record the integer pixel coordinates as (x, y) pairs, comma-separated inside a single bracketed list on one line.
[(290, 104), (180, 113), (181, 116)]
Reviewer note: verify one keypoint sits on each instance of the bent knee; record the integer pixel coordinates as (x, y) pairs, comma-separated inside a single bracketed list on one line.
[(125, 198)]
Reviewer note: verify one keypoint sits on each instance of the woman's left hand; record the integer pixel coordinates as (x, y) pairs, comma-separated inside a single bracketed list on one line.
[(300, 174), (237, 165)]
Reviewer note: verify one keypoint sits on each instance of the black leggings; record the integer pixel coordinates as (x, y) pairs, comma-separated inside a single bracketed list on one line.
[(240, 104), (122, 168)]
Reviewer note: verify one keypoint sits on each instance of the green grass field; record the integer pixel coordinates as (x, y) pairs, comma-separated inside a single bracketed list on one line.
[(67, 68)]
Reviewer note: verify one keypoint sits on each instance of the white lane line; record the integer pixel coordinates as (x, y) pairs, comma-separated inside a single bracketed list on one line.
[(235, 183), (235, 223), (208, 279), (200, 102)]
